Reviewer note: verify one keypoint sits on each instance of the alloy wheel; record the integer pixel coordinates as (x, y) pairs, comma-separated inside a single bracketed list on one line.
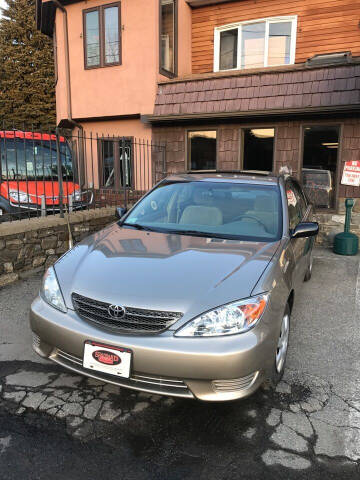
[(283, 343)]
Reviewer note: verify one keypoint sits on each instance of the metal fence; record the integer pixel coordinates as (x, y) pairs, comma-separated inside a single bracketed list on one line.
[(44, 173)]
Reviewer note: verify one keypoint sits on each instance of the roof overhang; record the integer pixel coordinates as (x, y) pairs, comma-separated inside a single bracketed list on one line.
[(256, 115), (203, 3)]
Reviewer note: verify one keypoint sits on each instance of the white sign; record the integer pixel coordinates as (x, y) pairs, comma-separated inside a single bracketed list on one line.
[(351, 174), (291, 198)]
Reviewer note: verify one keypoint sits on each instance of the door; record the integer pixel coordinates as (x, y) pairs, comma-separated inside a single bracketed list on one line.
[(297, 210)]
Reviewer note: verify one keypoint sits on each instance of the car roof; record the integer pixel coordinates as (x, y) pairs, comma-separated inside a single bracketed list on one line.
[(260, 178)]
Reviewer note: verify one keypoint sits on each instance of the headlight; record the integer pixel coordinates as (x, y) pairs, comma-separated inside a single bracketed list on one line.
[(77, 195), (51, 292), (236, 317), (21, 197)]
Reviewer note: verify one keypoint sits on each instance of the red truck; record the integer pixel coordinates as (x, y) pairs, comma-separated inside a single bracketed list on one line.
[(29, 182)]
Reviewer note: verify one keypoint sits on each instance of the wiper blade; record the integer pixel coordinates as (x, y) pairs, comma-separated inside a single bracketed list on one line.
[(193, 233), (137, 226), (197, 233)]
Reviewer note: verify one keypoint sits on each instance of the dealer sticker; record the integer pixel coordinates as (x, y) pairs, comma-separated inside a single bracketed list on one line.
[(107, 359)]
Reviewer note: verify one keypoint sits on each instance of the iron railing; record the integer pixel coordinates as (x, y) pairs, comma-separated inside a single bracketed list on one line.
[(49, 172)]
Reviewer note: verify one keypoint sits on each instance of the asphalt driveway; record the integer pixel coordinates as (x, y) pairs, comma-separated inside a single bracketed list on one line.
[(54, 423)]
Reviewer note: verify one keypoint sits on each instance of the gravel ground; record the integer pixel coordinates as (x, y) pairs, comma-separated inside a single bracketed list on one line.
[(54, 423)]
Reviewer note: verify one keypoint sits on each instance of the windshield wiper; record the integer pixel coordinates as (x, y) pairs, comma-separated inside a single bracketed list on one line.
[(137, 226), (197, 233), (193, 233)]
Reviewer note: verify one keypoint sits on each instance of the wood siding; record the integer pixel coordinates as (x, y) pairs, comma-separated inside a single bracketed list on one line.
[(323, 26), (288, 141)]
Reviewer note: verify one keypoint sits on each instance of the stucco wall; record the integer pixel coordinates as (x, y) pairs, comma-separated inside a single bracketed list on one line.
[(124, 89), (101, 91)]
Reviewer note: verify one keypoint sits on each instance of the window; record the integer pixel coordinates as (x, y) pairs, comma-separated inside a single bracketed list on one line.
[(168, 37), (33, 160), (258, 148), (102, 36), (125, 164), (202, 150), (320, 163), (228, 49), (294, 206), (108, 164), (300, 197), (256, 44), (115, 169)]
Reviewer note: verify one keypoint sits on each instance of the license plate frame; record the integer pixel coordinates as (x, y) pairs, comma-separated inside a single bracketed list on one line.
[(108, 359)]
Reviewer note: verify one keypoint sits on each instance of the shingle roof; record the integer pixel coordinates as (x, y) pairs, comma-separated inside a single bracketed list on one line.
[(299, 89)]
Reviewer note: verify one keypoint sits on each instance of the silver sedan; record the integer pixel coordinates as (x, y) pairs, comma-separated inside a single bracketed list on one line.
[(188, 294)]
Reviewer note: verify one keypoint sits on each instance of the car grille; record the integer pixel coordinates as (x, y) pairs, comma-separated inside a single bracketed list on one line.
[(136, 320), (137, 381)]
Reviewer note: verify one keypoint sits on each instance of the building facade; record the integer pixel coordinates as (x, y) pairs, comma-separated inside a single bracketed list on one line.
[(264, 85)]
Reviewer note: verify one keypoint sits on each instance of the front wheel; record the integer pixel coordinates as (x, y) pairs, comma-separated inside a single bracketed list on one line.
[(280, 351)]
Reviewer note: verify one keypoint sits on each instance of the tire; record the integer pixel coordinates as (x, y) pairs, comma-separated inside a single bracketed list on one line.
[(309, 269), (4, 217), (278, 368)]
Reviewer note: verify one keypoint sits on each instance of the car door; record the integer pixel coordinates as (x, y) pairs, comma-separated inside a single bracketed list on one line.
[(307, 216), (297, 212)]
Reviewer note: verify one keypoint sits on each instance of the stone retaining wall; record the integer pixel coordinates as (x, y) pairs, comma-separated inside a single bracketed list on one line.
[(28, 245), (37, 243)]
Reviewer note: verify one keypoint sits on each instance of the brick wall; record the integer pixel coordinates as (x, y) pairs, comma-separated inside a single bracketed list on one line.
[(37, 243)]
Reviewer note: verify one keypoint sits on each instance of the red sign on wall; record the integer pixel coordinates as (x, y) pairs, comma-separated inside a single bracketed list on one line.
[(351, 174)]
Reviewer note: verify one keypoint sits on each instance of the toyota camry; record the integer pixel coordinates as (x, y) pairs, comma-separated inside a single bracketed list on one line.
[(189, 293)]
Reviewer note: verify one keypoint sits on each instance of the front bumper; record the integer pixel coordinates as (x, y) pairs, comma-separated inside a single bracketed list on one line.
[(211, 369), (24, 210)]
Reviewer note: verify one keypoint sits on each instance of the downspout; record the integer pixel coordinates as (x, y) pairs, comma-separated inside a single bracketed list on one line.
[(67, 59), (67, 67), (68, 88)]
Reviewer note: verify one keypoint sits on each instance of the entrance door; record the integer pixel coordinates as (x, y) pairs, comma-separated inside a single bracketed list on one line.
[(320, 158)]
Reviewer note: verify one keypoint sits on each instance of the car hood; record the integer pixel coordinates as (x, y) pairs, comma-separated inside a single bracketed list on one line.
[(161, 271)]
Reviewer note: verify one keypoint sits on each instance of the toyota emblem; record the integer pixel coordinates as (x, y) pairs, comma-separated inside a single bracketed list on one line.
[(116, 311)]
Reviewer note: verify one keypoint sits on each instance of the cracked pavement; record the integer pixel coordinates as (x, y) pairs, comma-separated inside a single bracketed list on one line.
[(54, 422)]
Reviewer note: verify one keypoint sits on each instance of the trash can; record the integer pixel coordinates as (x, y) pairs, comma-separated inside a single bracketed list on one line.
[(347, 243)]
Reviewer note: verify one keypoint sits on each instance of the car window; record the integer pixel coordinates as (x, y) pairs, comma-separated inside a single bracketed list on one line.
[(294, 206), (231, 210), (301, 198)]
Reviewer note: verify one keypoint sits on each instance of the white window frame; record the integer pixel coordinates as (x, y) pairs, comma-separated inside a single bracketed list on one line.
[(238, 25)]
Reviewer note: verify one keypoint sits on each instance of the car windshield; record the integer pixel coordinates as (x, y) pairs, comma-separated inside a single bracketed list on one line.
[(213, 209), (24, 159)]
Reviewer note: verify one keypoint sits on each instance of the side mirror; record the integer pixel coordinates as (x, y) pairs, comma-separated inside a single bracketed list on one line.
[(120, 212), (305, 229)]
